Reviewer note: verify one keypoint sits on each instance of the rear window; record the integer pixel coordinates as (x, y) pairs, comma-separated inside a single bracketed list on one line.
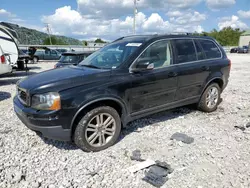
[(210, 48), (68, 59), (185, 50)]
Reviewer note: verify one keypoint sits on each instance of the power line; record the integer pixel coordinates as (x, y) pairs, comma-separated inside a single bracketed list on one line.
[(49, 32), (135, 12)]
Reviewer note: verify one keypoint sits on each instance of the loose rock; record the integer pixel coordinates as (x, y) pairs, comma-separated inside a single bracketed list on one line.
[(182, 137)]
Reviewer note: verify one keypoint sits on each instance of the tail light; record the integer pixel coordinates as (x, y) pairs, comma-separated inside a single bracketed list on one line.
[(2, 59)]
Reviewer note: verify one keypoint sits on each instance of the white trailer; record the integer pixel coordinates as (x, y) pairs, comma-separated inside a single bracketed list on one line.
[(8, 42), (5, 66)]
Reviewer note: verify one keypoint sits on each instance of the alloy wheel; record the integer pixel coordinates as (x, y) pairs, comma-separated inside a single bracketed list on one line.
[(100, 130)]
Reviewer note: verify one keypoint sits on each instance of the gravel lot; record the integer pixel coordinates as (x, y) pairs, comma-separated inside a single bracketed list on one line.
[(219, 156)]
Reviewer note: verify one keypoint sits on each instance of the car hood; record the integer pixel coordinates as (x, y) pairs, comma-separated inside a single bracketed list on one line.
[(62, 78)]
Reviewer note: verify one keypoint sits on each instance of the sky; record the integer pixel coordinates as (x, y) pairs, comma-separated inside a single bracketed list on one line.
[(110, 19)]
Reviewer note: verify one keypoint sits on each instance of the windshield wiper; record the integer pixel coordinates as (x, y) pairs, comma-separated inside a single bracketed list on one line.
[(91, 66)]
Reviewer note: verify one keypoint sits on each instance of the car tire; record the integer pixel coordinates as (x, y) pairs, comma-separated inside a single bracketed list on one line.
[(95, 132), (35, 60), (210, 98)]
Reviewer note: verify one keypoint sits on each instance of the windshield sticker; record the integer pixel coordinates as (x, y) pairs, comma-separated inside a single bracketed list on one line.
[(134, 44)]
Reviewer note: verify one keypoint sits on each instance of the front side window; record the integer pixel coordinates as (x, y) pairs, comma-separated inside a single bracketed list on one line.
[(159, 54), (211, 50), (185, 51), (111, 56)]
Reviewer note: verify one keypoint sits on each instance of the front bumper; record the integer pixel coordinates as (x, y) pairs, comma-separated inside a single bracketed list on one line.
[(47, 124)]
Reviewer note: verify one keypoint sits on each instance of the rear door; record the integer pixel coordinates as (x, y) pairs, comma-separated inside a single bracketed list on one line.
[(154, 89), (193, 70)]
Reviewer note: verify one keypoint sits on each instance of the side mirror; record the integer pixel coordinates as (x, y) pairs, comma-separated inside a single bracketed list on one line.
[(144, 64)]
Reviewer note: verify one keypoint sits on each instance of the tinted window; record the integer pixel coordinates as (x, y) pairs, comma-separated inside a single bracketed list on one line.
[(210, 49), (185, 51), (68, 59), (53, 52), (159, 53), (200, 53), (39, 52)]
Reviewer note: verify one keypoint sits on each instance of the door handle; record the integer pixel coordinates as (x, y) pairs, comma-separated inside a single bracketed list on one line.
[(205, 68), (172, 74)]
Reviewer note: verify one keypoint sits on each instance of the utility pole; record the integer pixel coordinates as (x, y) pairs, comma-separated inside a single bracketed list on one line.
[(48, 30), (135, 12)]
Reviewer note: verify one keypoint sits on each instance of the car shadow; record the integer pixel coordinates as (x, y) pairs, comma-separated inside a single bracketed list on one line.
[(34, 68), (12, 78), (4, 95), (154, 120), (134, 126), (18, 74), (59, 144)]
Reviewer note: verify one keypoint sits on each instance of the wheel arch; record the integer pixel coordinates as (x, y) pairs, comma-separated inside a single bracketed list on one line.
[(108, 101), (217, 80), (36, 57)]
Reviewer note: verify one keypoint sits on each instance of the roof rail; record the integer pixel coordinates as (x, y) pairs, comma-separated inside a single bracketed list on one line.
[(132, 36), (180, 33)]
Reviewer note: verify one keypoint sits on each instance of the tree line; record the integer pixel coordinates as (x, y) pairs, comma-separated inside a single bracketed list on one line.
[(228, 36)]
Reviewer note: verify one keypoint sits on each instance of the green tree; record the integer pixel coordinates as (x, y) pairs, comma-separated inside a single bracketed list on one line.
[(99, 41), (54, 41), (85, 43), (226, 37)]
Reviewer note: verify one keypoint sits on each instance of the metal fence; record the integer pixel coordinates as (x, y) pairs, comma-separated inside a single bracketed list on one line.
[(92, 47)]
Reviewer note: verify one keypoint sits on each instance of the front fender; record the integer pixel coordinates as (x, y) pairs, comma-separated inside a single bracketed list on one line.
[(100, 98)]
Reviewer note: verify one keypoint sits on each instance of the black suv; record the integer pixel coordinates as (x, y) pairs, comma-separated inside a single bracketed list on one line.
[(129, 78), (71, 58)]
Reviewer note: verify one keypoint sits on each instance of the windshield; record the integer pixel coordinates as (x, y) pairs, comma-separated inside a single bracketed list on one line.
[(68, 59), (111, 56)]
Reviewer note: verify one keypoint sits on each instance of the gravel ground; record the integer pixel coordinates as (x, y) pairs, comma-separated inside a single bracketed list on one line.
[(218, 157)]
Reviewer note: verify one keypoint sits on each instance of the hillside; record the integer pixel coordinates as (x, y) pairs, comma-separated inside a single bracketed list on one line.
[(31, 36)]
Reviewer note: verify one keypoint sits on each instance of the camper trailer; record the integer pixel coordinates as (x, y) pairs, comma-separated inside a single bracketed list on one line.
[(8, 42), (5, 65)]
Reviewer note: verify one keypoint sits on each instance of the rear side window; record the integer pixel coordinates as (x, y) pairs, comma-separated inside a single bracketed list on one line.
[(185, 50), (210, 48), (200, 53)]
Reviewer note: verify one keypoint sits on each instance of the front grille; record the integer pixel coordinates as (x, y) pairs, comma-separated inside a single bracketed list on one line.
[(22, 95)]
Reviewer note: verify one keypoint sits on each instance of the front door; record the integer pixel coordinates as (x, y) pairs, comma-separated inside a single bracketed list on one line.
[(54, 55), (153, 89)]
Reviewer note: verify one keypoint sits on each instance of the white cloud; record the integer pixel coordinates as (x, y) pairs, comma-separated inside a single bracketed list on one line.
[(116, 8), (188, 18), (181, 3), (244, 14), (66, 21), (233, 22), (219, 4), (5, 13), (174, 13)]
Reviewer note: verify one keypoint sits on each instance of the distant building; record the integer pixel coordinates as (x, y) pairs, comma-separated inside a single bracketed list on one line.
[(245, 39)]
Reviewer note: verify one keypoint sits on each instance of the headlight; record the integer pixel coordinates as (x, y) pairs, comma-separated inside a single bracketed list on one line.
[(47, 101)]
